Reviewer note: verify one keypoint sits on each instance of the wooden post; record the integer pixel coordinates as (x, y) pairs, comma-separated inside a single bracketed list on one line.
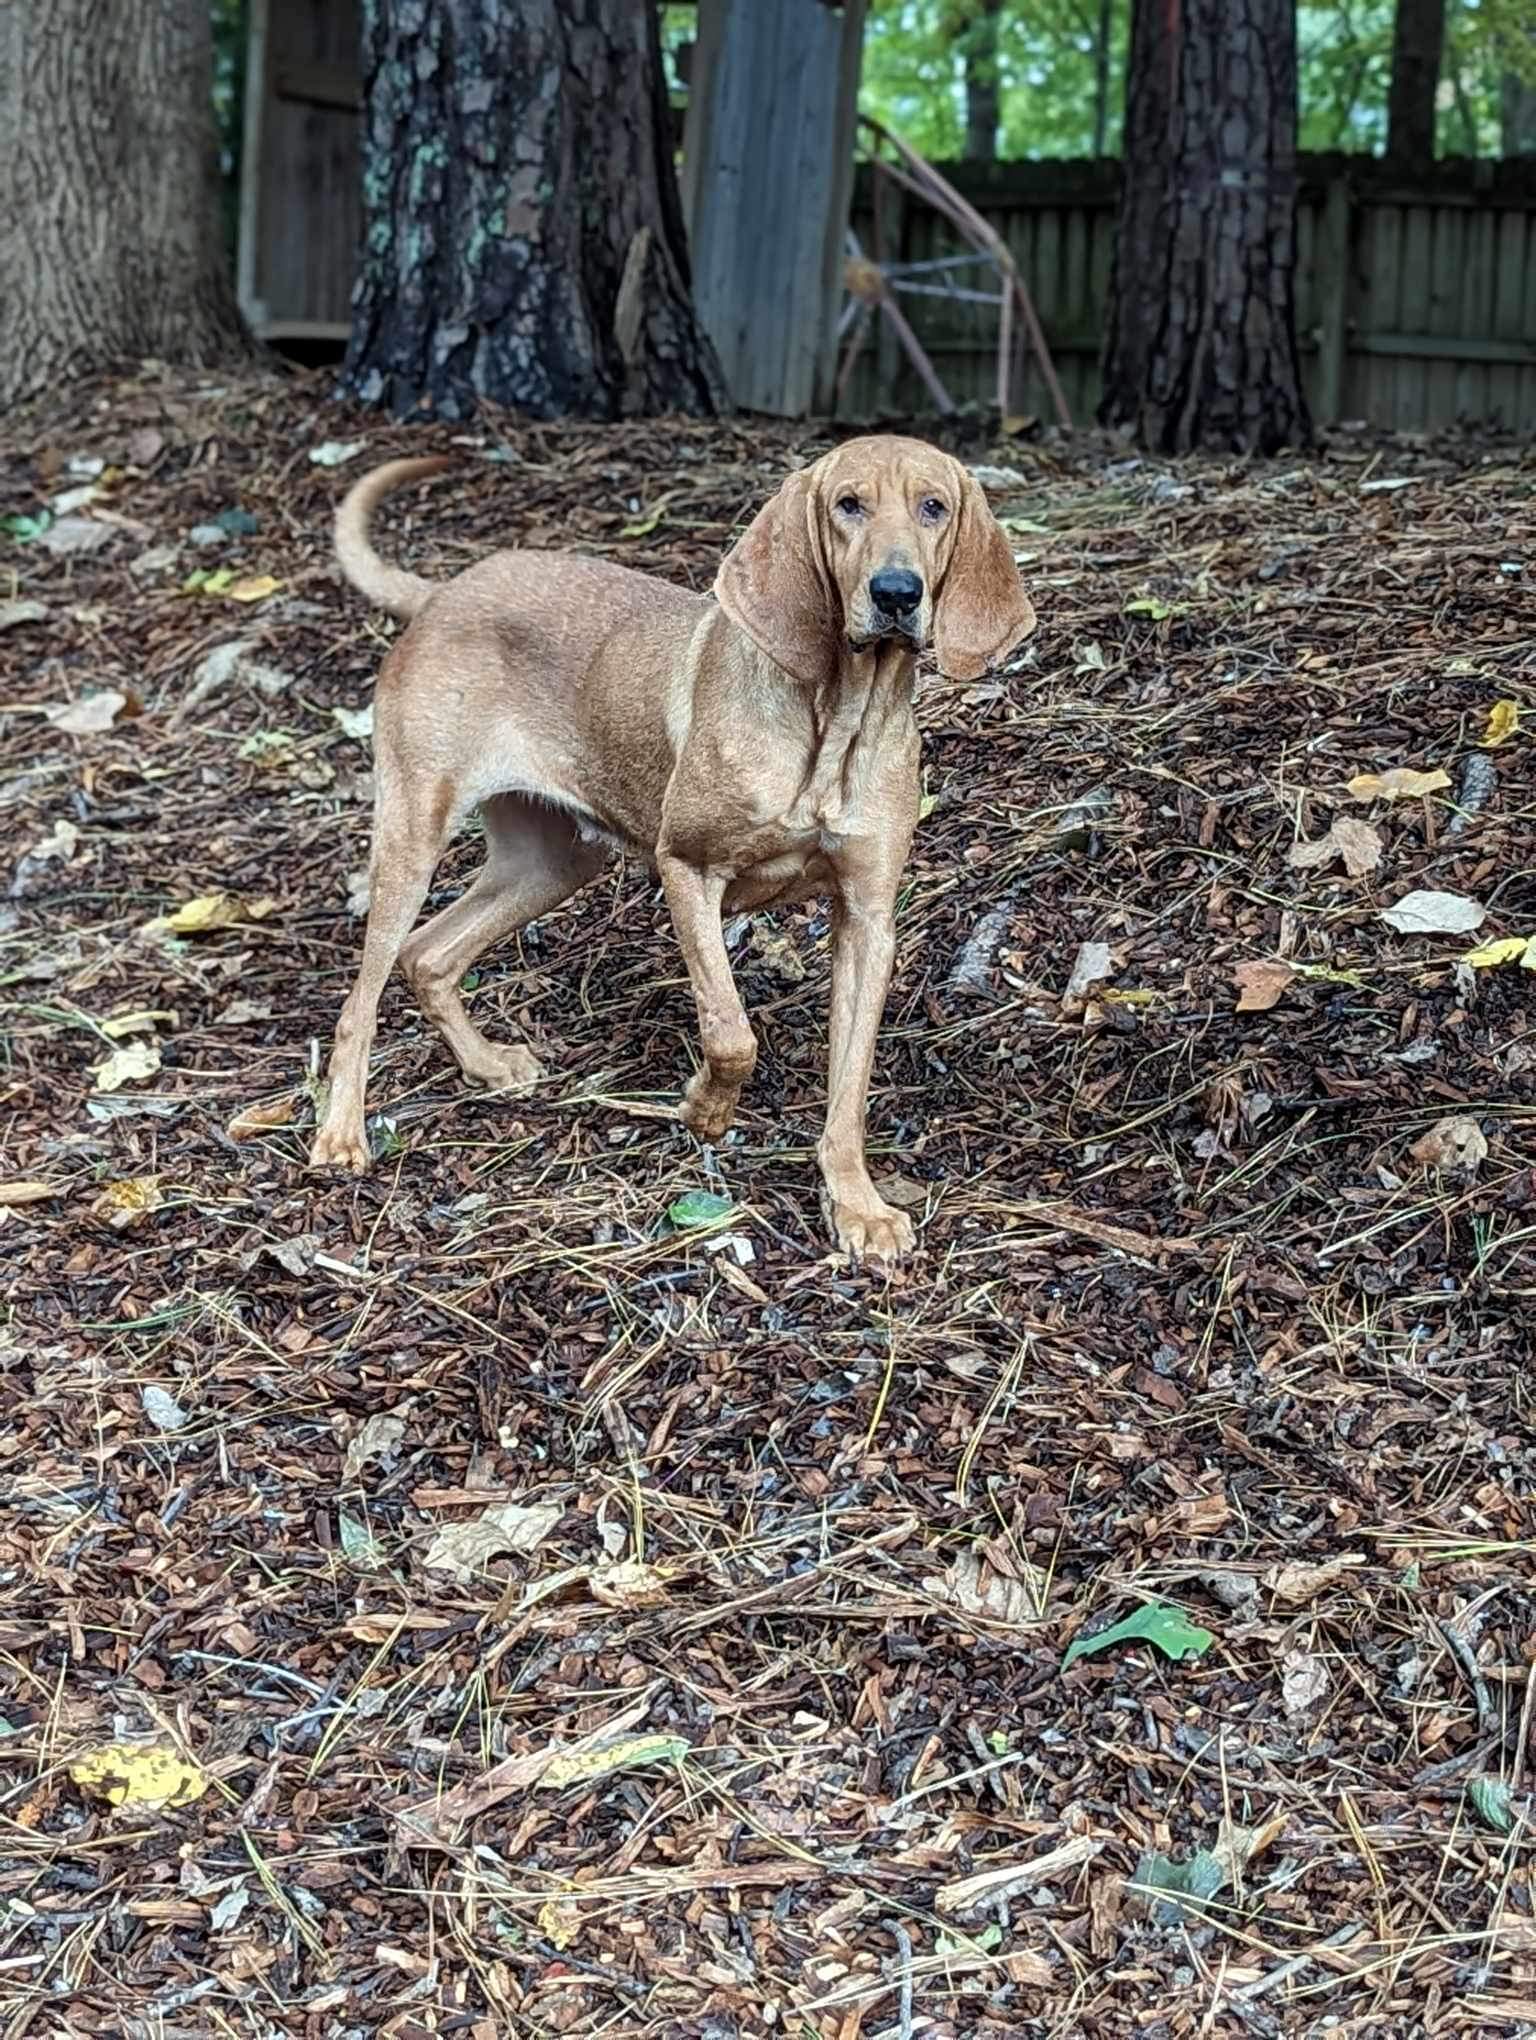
[(1335, 277)]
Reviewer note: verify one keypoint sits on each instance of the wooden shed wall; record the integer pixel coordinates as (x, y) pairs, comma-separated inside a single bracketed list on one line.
[(301, 191), (1415, 301), (767, 175)]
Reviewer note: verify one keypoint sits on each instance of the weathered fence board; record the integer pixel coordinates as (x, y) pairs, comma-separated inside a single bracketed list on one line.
[(1415, 305), (767, 157)]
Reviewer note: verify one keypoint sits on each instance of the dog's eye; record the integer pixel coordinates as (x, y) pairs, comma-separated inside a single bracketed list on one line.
[(849, 505), (931, 510)]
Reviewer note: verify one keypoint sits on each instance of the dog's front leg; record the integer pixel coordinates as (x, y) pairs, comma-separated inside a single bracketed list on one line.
[(729, 1045), (863, 953)]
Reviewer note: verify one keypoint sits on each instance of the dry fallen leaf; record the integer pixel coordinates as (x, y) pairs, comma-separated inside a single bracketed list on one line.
[(376, 1439), (356, 723), (1519, 949), (628, 1583), (1297, 1581), (1434, 913), (976, 1587), (1357, 843), (209, 912), (1454, 1143), (91, 714), (124, 1203), (1401, 783), (121, 1025), (139, 1774), (162, 1408), (1261, 983), (25, 1190), (252, 1120), (463, 1549), (1503, 723), (253, 588), (437, 1823), (130, 1065), (1305, 1681)]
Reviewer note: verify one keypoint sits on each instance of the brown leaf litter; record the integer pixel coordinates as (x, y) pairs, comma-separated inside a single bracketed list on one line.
[(584, 1630)]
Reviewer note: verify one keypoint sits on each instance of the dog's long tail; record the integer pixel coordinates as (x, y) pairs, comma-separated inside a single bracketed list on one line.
[(392, 588)]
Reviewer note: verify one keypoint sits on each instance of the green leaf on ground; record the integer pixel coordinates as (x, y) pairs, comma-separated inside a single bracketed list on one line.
[(1169, 1628), (699, 1207), (1491, 1798)]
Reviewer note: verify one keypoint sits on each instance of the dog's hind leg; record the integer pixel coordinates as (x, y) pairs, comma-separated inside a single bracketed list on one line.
[(536, 858), (407, 843)]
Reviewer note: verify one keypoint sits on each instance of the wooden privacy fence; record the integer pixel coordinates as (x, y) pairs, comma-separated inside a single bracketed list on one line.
[(1415, 301)]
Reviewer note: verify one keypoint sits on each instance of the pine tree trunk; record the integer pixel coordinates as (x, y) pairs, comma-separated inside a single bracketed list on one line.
[(1418, 40), (111, 247), (523, 238), (981, 83), (1517, 115), (1201, 342)]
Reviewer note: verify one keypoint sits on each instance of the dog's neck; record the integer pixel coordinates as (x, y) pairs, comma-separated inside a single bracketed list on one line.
[(869, 685)]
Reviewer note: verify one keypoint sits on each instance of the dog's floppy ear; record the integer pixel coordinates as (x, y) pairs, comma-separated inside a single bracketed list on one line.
[(774, 583), (981, 611)]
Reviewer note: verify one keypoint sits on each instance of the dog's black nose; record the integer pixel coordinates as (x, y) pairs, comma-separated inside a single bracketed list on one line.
[(896, 591)]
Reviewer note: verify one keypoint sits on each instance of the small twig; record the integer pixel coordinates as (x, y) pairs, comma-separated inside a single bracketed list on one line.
[(903, 1941), (1284, 1971), (1466, 1658)]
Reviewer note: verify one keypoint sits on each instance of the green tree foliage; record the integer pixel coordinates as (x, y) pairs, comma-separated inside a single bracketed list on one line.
[(1058, 59)]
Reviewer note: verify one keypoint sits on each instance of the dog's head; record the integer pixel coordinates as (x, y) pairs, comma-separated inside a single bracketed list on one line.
[(882, 539)]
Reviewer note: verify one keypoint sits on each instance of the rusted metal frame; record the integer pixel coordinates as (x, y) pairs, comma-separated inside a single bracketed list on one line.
[(919, 176)]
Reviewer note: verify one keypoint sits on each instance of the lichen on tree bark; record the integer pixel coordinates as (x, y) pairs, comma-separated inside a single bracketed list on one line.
[(523, 238)]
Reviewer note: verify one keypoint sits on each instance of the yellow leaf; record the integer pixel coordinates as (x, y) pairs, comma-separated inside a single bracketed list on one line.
[(580, 1767), (559, 1921), (136, 1023), (1401, 783), (1507, 949), (25, 1191), (138, 1774), (124, 1203), (208, 912), (254, 588), (1139, 996), (1503, 722), (130, 1065)]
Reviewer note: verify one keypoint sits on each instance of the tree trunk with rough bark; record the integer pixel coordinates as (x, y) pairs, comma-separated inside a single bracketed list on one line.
[(979, 51), (111, 246), (1201, 342), (1517, 115), (523, 238), (1418, 42)]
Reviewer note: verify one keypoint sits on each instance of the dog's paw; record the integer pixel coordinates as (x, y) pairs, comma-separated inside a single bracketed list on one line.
[(515, 1069), (707, 1112), (871, 1231), (341, 1147)]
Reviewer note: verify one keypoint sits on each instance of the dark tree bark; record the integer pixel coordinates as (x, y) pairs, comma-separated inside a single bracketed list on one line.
[(1517, 115), (523, 238), (1418, 42), (111, 246), (979, 52), (1101, 79), (1201, 342)]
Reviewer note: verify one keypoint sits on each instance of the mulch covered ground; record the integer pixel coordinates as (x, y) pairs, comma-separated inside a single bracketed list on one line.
[(508, 1608)]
